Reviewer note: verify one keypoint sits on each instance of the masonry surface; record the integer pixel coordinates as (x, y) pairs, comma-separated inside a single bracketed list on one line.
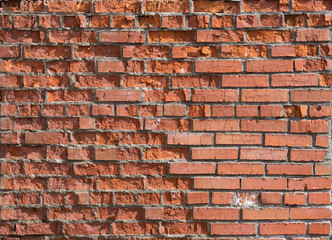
[(152, 119)]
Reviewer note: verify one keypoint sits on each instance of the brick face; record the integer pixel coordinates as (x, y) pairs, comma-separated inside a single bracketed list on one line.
[(165, 119)]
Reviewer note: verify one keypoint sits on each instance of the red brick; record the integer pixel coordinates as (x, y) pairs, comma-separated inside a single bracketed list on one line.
[(214, 153), (264, 95), (123, 22), (70, 6), (216, 213), (288, 140), (75, 214), (320, 111), (192, 168), (190, 139), (47, 169), (99, 21), (97, 81), (240, 169), (303, 35), (79, 154), (269, 36), (218, 66), (198, 21), (145, 52), (72, 183), (23, 183), (145, 81), (122, 198), (282, 228), (86, 228), (219, 36), (72, 36), (238, 139), (244, 81), (96, 169), (246, 51), (120, 66), (119, 184), (222, 21), (122, 37), (111, 6), (49, 21), (197, 197), (246, 111), (310, 96), (263, 154), (118, 95), (319, 228), (23, 214), (271, 20), (217, 111), (166, 6), (310, 213), (322, 170), (149, 198), (289, 169), (322, 141), (246, 21), (271, 110), (295, 111), (120, 213), (312, 65), (119, 123), (171, 36), (264, 183), (194, 52), (174, 110), (25, 229), (9, 81), (309, 183), (176, 228), (222, 198), (263, 126), (319, 198), (135, 228), (271, 198), (96, 51), (309, 126), (173, 198), (168, 183), (166, 95), (167, 213), (168, 124), (265, 214), (144, 169), (46, 138), (233, 229), (173, 21), (215, 7), (216, 125), (297, 80), (216, 183), (215, 96), (295, 199), (9, 52), (270, 66), (261, 6)]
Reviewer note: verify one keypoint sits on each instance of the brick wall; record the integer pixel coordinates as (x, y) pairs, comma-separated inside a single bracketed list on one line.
[(166, 119)]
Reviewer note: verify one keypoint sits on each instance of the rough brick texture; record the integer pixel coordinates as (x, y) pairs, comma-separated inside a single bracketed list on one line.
[(165, 119)]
